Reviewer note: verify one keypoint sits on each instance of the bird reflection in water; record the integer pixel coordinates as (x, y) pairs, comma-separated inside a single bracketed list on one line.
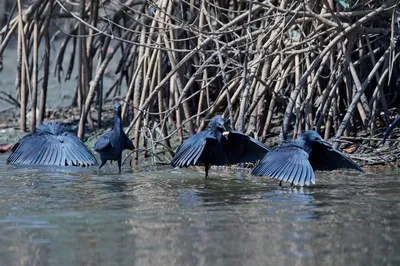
[(298, 202)]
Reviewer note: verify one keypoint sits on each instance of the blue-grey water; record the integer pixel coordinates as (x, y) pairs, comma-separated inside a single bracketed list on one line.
[(164, 216)]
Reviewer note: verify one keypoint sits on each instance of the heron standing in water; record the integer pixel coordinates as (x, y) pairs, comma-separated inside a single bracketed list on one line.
[(212, 147), (111, 144), (51, 144), (295, 161)]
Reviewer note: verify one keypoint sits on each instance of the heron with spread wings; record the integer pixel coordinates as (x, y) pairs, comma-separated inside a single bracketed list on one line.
[(212, 147), (295, 161), (51, 144)]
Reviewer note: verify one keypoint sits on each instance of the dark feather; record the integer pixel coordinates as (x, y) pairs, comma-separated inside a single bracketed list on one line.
[(241, 148), (190, 151), (129, 144), (295, 161), (389, 130), (103, 142), (51, 145), (211, 147), (111, 144), (288, 163), (324, 157)]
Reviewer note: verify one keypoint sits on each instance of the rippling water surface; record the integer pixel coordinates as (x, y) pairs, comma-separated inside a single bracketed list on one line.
[(164, 216)]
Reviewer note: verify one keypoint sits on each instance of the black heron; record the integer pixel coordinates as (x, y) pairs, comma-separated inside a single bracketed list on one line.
[(212, 147), (295, 161), (51, 144), (111, 144), (389, 130)]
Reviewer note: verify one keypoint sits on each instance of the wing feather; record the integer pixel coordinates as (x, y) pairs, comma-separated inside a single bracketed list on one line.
[(75, 149), (289, 172), (189, 153), (240, 148), (51, 146), (103, 142), (296, 173), (50, 152), (324, 157), (280, 170), (273, 168), (193, 155), (184, 159), (390, 128), (56, 156), (288, 163), (40, 155), (302, 176), (128, 143), (187, 156), (311, 174)]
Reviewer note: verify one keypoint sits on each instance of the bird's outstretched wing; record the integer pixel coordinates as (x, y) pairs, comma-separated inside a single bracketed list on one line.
[(288, 163), (104, 142), (192, 149), (324, 157), (240, 148), (46, 148), (75, 151), (25, 151), (390, 129)]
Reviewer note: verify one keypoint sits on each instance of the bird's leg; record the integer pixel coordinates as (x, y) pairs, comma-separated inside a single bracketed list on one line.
[(207, 168), (292, 184), (280, 183), (102, 163), (119, 165)]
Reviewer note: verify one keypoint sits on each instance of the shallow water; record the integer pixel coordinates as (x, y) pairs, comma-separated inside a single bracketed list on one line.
[(164, 216)]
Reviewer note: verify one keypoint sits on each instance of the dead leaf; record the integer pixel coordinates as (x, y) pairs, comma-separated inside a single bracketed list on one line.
[(6, 147), (352, 148)]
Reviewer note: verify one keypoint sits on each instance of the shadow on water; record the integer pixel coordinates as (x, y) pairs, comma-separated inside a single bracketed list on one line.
[(164, 216)]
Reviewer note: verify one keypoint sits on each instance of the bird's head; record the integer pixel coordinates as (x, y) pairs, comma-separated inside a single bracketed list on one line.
[(217, 123), (311, 136), (117, 109)]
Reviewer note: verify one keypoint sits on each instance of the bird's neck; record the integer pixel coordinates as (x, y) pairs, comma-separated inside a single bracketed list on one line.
[(118, 123), (305, 145), (218, 135)]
